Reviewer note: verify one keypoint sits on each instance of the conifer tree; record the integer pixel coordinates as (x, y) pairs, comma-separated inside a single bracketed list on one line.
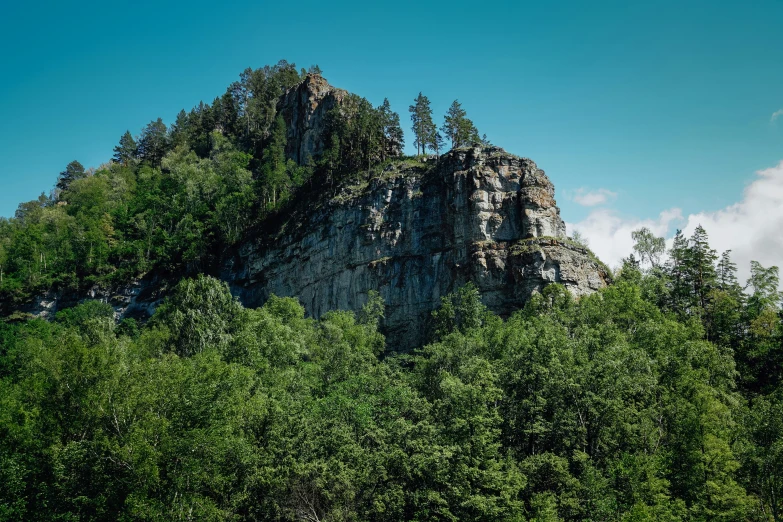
[(73, 171), (677, 271), (153, 143), (423, 127), (274, 174), (437, 142), (125, 152), (393, 136), (701, 266), (726, 274), (458, 128), (178, 132)]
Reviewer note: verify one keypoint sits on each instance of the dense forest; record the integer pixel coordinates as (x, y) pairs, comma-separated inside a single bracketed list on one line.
[(657, 398)]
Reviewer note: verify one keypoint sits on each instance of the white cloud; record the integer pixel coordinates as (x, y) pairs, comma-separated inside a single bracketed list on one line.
[(775, 115), (591, 198), (751, 228), (609, 234)]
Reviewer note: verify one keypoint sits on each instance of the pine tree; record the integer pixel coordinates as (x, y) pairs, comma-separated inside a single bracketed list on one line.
[(701, 266), (73, 171), (274, 174), (423, 127), (153, 143), (452, 123), (677, 271), (726, 275), (458, 128), (726, 301), (437, 143), (393, 136), (178, 132), (125, 152)]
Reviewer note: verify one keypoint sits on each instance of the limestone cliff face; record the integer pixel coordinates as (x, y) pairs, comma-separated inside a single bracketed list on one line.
[(416, 233), (304, 110)]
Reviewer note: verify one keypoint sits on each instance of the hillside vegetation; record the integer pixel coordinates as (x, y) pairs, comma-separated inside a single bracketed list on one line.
[(658, 398), (173, 199)]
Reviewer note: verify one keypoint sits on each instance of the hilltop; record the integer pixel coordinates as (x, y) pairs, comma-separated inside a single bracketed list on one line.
[(286, 185)]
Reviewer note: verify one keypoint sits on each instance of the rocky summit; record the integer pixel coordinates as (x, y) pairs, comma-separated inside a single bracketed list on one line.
[(414, 231)]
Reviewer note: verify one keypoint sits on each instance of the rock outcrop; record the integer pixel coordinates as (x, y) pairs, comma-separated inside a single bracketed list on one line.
[(416, 233), (304, 109), (136, 299)]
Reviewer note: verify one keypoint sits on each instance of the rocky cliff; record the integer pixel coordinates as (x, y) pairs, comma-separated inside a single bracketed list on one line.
[(304, 109), (415, 233)]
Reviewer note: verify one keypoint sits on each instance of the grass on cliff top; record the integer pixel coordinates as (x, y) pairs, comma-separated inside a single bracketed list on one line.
[(357, 184)]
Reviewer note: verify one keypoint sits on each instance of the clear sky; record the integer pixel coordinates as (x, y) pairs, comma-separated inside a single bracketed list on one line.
[(635, 107)]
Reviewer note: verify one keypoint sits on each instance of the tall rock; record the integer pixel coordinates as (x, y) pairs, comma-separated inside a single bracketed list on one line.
[(416, 233), (304, 109)]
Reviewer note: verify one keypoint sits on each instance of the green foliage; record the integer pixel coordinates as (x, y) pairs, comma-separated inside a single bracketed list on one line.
[(73, 171), (658, 398), (200, 314), (153, 143), (126, 152), (460, 311), (458, 128), (649, 247), (358, 137), (424, 130), (603, 408)]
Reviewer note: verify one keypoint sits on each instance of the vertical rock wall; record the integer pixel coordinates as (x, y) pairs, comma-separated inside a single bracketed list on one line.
[(416, 233)]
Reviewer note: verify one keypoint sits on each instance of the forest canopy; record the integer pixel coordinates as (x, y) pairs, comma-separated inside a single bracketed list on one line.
[(630, 404), (656, 398)]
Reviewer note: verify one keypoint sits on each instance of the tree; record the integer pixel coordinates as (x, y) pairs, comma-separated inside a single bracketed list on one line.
[(579, 238), (125, 152), (178, 132), (763, 462), (458, 128), (201, 313), (368, 130), (394, 140), (726, 305), (649, 247), (423, 127), (726, 274), (460, 311), (701, 265), (73, 171), (274, 174), (153, 143), (764, 282), (437, 142), (677, 271)]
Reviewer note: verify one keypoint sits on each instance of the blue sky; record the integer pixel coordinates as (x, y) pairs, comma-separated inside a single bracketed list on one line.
[(659, 104)]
